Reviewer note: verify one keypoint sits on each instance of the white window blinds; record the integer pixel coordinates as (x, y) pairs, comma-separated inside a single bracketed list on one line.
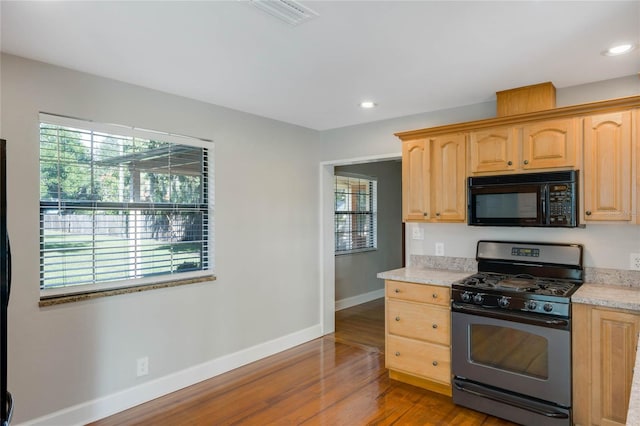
[(355, 213), (121, 206)]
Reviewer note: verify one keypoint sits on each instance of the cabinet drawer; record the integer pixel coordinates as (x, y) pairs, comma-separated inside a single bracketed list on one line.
[(424, 359), (418, 292), (419, 321)]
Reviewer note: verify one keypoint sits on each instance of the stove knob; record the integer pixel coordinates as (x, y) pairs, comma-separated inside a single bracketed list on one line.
[(503, 302), (548, 307), (478, 298), (466, 297), (531, 305)]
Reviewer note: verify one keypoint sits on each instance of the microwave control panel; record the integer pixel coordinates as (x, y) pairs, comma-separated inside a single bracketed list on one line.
[(561, 204)]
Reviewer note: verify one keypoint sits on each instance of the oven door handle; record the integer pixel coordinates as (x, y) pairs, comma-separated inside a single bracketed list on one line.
[(497, 398), (525, 319)]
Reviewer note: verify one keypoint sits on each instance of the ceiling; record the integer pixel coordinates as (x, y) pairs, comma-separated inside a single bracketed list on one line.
[(408, 57)]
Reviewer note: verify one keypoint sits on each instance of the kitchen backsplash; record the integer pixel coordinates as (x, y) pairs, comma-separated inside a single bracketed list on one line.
[(443, 262), (605, 276)]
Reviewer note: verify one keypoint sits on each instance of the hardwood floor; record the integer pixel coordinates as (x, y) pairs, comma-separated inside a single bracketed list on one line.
[(338, 379)]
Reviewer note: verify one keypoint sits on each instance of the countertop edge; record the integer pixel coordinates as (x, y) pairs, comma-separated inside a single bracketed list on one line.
[(440, 277)]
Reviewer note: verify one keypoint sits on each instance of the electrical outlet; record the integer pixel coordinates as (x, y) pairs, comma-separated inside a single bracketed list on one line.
[(417, 233), (439, 249), (634, 261), (142, 366)]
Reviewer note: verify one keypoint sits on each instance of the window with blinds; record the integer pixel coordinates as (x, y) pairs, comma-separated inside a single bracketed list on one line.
[(355, 213), (121, 207)]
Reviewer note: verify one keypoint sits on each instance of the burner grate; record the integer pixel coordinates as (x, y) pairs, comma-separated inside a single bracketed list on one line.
[(519, 283)]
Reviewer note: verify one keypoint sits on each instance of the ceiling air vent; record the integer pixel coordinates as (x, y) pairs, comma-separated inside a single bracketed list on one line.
[(289, 11)]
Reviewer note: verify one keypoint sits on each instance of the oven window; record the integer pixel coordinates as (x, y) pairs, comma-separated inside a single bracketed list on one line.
[(509, 349), (520, 205)]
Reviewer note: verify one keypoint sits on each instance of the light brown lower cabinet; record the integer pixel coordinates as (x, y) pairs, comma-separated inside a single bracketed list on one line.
[(605, 342), (418, 335)]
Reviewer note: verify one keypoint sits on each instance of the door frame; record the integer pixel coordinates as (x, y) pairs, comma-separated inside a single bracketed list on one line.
[(327, 236)]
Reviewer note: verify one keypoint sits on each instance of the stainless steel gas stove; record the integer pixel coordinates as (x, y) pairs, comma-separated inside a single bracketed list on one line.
[(511, 328)]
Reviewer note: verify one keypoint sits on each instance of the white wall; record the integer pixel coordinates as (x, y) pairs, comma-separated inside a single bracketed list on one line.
[(356, 272), (267, 226)]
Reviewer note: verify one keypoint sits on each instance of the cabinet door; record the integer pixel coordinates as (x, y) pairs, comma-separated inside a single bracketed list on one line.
[(415, 180), (419, 321), (607, 167), (424, 293), (424, 359), (549, 144), (604, 352), (636, 118), (493, 150), (449, 189), (614, 353)]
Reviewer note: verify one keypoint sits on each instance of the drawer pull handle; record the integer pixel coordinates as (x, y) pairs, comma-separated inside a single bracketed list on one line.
[(397, 290), (397, 353), (526, 161), (434, 295), (509, 163), (435, 363), (435, 326), (398, 318), (588, 212)]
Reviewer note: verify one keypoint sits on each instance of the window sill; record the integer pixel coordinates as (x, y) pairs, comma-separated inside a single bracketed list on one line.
[(78, 297), (365, 250)]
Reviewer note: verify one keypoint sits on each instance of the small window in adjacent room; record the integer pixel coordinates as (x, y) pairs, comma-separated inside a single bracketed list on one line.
[(122, 208), (355, 213)]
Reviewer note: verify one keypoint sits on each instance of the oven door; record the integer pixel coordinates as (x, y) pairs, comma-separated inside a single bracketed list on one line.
[(517, 353), (508, 205)]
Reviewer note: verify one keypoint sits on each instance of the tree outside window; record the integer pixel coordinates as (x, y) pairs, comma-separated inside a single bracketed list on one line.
[(115, 208), (355, 214)]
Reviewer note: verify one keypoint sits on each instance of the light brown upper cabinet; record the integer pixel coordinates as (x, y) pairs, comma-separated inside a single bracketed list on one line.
[(493, 150), (448, 179), (549, 144), (607, 173), (596, 138), (415, 180), (433, 179), (636, 141)]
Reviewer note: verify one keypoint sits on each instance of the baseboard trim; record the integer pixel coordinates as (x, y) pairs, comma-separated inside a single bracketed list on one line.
[(359, 299), (97, 409)]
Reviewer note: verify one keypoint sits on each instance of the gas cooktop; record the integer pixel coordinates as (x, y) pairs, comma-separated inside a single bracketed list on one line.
[(532, 278), (519, 283)]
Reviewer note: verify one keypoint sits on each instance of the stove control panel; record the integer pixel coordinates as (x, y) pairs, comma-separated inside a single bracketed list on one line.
[(520, 302)]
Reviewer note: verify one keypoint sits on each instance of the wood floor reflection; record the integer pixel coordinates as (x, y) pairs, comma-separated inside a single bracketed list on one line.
[(339, 379)]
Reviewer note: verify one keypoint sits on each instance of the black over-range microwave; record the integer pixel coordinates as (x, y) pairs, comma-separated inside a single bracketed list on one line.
[(532, 199)]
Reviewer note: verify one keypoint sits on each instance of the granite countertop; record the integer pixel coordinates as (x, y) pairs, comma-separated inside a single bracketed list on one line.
[(442, 277), (608, 296)]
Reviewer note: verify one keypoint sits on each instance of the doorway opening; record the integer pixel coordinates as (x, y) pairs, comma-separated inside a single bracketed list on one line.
[(349, 280)]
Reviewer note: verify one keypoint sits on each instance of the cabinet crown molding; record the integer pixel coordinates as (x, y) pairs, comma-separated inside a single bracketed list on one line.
[(610, 105)]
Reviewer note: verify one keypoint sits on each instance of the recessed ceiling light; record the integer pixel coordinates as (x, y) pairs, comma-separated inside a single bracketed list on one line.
[(368, 104), (619, 49)]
